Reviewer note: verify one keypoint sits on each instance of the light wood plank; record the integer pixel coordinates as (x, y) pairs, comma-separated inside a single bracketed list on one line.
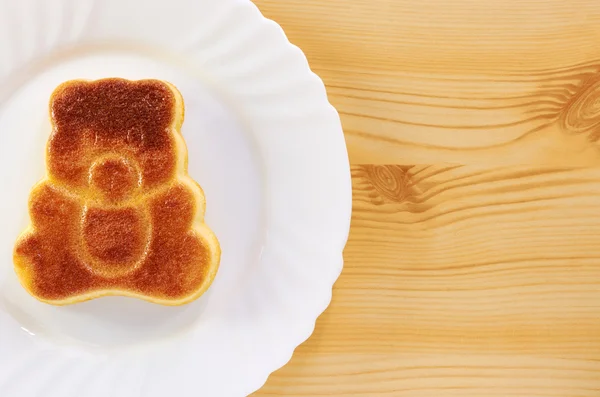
[(456, 81), (479, 280), (461, 281)]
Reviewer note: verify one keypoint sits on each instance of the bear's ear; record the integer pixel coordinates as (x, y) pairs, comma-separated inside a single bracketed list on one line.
[(63, 95)]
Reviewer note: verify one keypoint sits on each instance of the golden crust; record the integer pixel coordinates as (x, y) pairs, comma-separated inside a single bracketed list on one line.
[(117, 213)]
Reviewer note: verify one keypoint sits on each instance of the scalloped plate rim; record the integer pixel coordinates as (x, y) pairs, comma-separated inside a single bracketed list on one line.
[(298, 335)]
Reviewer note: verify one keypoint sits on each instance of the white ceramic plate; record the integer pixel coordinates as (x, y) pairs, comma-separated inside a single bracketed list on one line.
[(263, 142)]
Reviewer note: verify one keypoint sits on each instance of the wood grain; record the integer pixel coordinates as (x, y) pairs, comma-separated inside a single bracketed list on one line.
[(473, 269), (461, 281), (456, 81)]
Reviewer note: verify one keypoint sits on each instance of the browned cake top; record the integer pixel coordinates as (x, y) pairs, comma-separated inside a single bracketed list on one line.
[(130, 118), (97, 228)]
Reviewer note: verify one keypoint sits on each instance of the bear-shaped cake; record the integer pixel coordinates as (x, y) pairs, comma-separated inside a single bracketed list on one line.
[(117, 213)]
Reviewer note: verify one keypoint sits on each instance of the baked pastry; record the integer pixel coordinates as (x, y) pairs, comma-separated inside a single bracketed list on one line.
[(117, 213)]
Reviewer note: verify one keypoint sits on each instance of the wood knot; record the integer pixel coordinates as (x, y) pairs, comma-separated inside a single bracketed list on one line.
[(392, 182), (582, 112)]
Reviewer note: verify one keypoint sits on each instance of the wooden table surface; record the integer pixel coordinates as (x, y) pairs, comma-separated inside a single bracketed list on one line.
[(473, 264)]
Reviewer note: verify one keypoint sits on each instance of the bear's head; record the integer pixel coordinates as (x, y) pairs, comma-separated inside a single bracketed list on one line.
[(112, 136)]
